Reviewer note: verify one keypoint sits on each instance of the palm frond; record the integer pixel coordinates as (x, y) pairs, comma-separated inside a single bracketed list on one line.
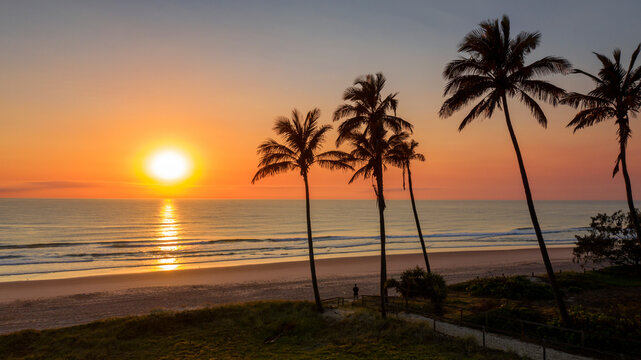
[(591, 116), (542, 90), (494, 66), (484, 107), (577, 100), (273, 169), (535, 109)]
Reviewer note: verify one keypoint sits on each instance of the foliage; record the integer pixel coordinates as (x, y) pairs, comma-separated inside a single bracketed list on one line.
[(239, 332), (511, 287), (620, 321), (611, 239), (506, 317), (302, 142), (367, 119), (616, 329), (417, 283), (494, 68), (617, 93), (401, 153)]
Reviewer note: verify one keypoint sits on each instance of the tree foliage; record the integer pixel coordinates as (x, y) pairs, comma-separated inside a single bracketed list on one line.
[(611, 239), (495, 68), (302, 140), (417, 283)]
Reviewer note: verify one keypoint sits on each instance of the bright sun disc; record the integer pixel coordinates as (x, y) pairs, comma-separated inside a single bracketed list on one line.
[(169, 165)]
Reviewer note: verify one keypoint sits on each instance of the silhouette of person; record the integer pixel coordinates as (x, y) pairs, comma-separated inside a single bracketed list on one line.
[(355, 292)]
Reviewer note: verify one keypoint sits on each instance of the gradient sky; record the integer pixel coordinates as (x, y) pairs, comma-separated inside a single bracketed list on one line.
[(88, 89)]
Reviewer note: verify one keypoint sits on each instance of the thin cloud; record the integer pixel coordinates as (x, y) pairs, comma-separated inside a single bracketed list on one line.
[(43, 185)]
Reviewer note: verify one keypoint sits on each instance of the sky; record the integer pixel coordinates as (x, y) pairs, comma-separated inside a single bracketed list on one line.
[(89, 90)]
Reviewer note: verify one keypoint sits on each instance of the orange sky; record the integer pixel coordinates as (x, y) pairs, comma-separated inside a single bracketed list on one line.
[(87, 91)]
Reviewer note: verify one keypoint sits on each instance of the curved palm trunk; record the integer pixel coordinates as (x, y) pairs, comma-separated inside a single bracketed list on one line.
[(381, 219), (628, 190), (310, 244), (535, 222), (418, 224)]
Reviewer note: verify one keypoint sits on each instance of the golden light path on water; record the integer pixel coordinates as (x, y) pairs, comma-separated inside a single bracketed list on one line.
[(169, 235)]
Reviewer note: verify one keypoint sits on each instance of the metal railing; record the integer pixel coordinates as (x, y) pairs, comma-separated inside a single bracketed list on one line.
[(333, 302), (545, 335)]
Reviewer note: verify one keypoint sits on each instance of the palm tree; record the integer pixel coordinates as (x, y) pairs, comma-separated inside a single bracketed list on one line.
[(367, 114), (617, 95), (303, 139), (400, 155), (493, 70)]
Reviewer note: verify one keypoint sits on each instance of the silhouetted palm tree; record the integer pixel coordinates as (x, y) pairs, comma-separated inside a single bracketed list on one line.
[(617, 95), (401, 154), (493, 70), (368, 115), (303, 140)]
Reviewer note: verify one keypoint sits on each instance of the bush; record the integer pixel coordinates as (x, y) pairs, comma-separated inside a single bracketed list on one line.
[(511, 287), (612, 239), (506, 317), (417, 283)]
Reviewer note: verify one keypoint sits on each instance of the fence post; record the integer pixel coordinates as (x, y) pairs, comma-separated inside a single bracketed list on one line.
[(484, 336), (486, 322), (461, 321), (434, 320), (544, 357), (582, 338)]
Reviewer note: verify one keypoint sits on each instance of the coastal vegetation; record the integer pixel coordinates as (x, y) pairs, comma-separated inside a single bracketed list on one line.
[(401, 155), (617, 95), (603, 307), (303, 140), (494, 70), (369, 124), (262, 330), (491, 70), (417, 283), (611, 239)]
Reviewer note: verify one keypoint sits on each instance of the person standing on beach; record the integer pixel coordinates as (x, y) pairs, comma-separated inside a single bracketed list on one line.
[(355, 292)]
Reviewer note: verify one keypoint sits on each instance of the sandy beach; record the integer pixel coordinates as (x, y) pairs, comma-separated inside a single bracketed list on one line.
[(42, 304)]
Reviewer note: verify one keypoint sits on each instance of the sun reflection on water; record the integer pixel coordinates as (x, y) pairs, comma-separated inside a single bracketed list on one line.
[(168, 235)]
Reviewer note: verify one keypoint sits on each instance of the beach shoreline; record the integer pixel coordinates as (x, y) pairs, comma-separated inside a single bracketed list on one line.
[(42, 304), (287, 269)]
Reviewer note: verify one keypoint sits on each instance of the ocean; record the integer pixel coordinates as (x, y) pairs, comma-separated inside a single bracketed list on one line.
[(63, 238)]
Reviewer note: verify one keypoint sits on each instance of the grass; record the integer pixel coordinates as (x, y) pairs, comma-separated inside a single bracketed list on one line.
[(239, 332), (603, 303), (505, 287), (598, 279)]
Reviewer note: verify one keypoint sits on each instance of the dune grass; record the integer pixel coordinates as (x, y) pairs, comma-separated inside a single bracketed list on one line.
[(239, 331)]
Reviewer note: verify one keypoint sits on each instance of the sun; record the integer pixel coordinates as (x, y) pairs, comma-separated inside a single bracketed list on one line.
[(169, 165)]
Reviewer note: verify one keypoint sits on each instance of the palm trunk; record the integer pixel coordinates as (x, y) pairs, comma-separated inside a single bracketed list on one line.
[(628, 190), (381, 216), (535, 222), (310, 244), (418, 224)]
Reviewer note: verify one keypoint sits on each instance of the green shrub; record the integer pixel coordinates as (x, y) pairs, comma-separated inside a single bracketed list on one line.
[(511, 287), (506, 317), (417, 283), (617, 329), (611, 239)]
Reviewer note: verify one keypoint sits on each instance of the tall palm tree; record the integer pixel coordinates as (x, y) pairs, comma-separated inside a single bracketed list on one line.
[(401, 154), (617, 95), (302, 141), (494, 69), (371, 115)]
